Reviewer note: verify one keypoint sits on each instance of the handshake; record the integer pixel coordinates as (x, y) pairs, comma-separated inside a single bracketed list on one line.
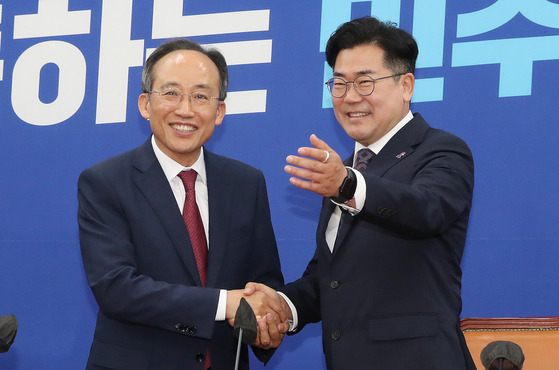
[(271, 310)]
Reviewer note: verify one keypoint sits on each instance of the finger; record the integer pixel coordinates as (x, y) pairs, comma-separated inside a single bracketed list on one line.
[(315, 165), (319, 143), (257, 341), (318, 155), (273, 331), (304, 173), (305, 185), (305, 177), (320, 183), (263, 331), (283, 327)]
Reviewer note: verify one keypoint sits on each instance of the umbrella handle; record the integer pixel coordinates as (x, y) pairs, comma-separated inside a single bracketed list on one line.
[(239, 348)]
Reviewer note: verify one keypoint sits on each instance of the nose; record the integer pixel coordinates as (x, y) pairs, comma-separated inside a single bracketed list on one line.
[(184, 107), (352, 95)]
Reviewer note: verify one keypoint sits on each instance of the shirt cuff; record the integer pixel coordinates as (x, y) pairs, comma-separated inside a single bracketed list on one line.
[(292, 323), (360, 192), (221, 305)]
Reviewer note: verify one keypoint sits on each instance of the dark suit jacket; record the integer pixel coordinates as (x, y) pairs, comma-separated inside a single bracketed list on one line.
[(153, 312), (389, 295)]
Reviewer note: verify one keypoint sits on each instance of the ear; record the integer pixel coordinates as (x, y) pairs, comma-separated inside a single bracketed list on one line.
[(408, 83), (220, 113), (143, 102)]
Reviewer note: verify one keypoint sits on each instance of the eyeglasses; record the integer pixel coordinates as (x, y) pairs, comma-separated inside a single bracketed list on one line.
[(364, 85), (173, 96)]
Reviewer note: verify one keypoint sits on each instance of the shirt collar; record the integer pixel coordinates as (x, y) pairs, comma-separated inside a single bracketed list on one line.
[(377, 146), (171, 168)]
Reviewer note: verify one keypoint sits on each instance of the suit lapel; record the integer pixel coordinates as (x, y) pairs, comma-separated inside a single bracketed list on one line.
[(325, 214), (150, 180), (220, 208), (399, 147)]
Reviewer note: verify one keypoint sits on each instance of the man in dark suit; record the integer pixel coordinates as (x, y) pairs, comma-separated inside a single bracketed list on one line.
[(385, 276), (163, 302)]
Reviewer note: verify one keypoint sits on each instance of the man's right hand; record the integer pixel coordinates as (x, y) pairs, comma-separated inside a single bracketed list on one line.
[(270, 330), (269, 309)]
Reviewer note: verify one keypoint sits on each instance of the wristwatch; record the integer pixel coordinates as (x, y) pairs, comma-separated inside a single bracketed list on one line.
[(347, 189)]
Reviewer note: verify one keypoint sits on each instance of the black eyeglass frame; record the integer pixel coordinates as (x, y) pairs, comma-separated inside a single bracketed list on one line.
[(373, 80)]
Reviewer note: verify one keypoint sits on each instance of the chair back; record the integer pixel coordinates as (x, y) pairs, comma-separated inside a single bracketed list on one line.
[(537, 336)]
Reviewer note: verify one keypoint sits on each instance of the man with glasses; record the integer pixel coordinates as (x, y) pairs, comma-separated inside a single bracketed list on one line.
[(170, 232), (385, 276)]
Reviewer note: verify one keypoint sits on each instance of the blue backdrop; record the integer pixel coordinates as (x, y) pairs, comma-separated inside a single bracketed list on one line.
[(69, 82)]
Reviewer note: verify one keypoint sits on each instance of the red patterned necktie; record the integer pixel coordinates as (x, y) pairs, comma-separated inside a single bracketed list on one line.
[(193, 221), (195, 227)]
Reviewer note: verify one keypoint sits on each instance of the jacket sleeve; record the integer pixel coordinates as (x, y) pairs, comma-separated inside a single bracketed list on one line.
[(426, 198)]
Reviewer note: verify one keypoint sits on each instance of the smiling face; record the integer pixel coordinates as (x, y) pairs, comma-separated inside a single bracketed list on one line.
[(368, 118), (180, 131)]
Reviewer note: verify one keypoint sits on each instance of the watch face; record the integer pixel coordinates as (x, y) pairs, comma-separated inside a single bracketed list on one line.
[(347, 189)]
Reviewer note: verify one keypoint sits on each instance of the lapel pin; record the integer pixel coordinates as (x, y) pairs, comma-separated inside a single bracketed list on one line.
[(401, 155)]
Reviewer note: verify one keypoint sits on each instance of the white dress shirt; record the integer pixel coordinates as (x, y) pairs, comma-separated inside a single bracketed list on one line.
[(171, 170)]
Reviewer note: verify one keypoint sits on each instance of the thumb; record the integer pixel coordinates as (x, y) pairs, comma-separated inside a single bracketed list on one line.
[(250, 288), (319, 143)]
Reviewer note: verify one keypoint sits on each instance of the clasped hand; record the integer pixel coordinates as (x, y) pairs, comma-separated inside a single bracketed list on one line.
[(271, 312)]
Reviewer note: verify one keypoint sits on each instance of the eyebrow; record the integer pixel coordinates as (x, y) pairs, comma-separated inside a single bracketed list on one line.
[(203, 86), (177, 84), (358, 73), (170, 83)]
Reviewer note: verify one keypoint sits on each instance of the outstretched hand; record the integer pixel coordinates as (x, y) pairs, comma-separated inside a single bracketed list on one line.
[(319, 169)]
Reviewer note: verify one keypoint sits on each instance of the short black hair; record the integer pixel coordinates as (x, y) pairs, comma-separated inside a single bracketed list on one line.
[(184, 44), (400, 48)]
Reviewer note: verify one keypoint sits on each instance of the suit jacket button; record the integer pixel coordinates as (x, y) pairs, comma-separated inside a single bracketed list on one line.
[(336, 335), (180, 328), (185, 329), (334, 284), (200, 357)]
